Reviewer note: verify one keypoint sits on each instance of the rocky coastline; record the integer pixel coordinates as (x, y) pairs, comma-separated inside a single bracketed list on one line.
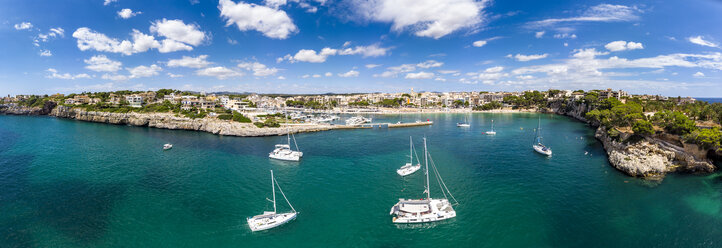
[(645, 157)]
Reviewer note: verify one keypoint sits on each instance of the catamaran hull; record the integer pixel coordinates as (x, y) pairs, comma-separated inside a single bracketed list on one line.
[(408, 170), (541, 150), (260, 223), (439, 209), (285, 158), (491, 133)]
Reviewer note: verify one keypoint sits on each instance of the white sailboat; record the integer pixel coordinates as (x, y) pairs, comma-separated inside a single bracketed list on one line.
[(409, 168), (268, 219), (284, 152), (425, 210), (538, 146), (463, 124), (167, 146), (492, 132)]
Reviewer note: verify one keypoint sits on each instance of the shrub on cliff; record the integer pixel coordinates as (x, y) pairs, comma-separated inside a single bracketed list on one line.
[(240, 118), (674, 122), (642, 127), (706, 138)]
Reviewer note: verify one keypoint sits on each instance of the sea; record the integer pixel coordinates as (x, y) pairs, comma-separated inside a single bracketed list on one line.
[(709, 100), (67, 183)]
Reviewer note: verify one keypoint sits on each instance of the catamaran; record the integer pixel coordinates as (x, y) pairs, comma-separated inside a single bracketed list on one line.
[(425, 210), (409, 168), (492, 132), (268, 219), (284, 152), (538, 146)]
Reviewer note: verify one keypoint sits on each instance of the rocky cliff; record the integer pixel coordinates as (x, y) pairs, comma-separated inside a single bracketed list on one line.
[(646, 157)]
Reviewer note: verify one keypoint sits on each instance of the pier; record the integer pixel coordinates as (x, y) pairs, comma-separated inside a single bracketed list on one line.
[(386, 125)]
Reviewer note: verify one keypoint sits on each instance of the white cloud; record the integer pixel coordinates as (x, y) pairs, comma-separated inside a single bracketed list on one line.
[(144, 71), (426, 18), (306, 55), (565, 36), (55, 75), (440, 79), (453, 72), (281, 78), (174, 75), (258, 69), (274, 3), (328, 74), (273, 23), (488, 76), (306, 76), (598, 13), (190, 62), (178, 31), (143, 42), (524, 58), (106, 2), (539, 34), (316, 76), (430, 64), (699, 40), (420, 75), (23, 26), (91, 40), (350, 73), (127, 13), (621, 45), (169, 45), (698, 74), (46, 53), (219, 72), (101, 63), (479, 43), (371, 66), (114, 77), (365, 51)]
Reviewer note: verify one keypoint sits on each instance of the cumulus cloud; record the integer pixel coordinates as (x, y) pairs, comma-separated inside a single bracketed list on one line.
[(699, 40), (698, 74), (144, 71), (177, 30), (106, 2), (350, 73), (371, 66), (365, 51), (190, 62), (127, 13), (308, 55), (45, 53), (429, 64), (481, 43), (488, 76), (524, 58), (328, 74), (55, 75), (420, 75), (174, 75), (621, 45), (539, 34), (258, 69), (23, 26), (426, 18), (114, 77), (273, 23), (91, 40), (598, 13), (101, 63), (219, 72)]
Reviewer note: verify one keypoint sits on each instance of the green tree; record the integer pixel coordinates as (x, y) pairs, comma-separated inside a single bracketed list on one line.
[(643, 127)]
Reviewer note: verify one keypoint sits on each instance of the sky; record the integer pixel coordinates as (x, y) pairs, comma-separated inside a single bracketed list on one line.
[(669, 48)]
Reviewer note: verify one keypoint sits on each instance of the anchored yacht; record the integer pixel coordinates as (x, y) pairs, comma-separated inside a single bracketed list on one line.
[(284, 152), (269, 219), (409, 168), (425, 210), (538, 146)]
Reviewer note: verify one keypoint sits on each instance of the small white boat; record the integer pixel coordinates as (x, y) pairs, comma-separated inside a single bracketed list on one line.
[(357, 120), (284, 152), (462, 124), (409, 168), (538, 146), (167, 146), (425, 210), (492, 132), (269, 219)]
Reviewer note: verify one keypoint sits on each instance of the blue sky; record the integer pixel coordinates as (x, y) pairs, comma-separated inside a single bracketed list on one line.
[(317, 46)]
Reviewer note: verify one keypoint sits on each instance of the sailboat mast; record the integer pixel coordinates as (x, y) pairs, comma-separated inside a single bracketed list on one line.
[(492, 125), (426, 161), (273, 186), (411, 151)]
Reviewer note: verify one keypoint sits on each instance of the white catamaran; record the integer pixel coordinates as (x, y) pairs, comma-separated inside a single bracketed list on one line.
[(538, 146), (492, 132), (425, 210), (284, 152), (268, 219), (409, 168)]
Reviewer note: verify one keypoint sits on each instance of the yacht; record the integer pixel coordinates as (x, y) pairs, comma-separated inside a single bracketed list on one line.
[(284, 151), (357, 120), (409, 168), (463, 124), (538, 146), (492, 132), (425, 210), (167, 146), (269, 219)]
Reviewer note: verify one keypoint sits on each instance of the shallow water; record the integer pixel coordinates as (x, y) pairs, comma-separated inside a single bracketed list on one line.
[(76, 184)]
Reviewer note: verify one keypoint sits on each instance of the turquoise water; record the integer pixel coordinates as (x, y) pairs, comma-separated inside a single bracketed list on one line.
[(67, 183)]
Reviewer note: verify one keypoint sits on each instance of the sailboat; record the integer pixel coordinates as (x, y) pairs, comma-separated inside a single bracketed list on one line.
[(463, 124), (409, 168), (538, 146), (268, 219), (492, 132), (425, 210), (284, 152)]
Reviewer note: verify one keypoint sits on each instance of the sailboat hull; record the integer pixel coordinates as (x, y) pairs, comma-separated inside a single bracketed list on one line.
[(542, 150), (422, 211), (408, 169), (268, 221)]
